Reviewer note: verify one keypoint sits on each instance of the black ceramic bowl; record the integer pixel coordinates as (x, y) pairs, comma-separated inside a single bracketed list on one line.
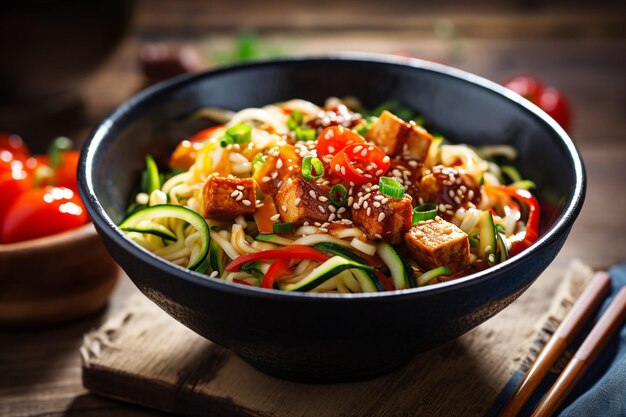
[(321, 337)]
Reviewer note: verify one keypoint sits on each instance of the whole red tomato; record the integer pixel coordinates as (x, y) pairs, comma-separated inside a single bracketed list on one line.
[(41, 212), (12, 184), (13, 151), (549, 99)]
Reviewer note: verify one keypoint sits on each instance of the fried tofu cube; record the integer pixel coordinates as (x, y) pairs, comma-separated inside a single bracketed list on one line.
[(434, 243), (304, 200), (382, 217), (228, 197), (399, 138)]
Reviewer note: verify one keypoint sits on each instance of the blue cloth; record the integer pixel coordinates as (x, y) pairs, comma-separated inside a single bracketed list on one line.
[(602, 390)]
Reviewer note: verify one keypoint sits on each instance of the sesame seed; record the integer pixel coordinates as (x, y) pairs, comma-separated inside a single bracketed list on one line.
[(451, 193), (266, 179), (364, 152), (318, 224), (341, 210), (379, 173), (365, 204), (239, 196), (323, 230), (356, 206), (234, 193), (332, 209), (413, 163), (330, 134), (343, 170), (386, 159), (377, 235), (297, 201), (337, 167), (283, 208), (384, 200), (369, 211), (321, 209), (274, 175), (357, 149), (275, 217), (322, 199), (290, 168), (331, 217), (470, 194), (240, 187), (305, 224), (331, 149), (457, 200), (312, 194), (213, 274), (442, 207), (279, 163), (246, 202), (376, 204), (381, 217)]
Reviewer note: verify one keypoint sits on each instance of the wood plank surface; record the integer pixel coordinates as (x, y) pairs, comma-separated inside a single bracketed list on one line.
[(580, 49)]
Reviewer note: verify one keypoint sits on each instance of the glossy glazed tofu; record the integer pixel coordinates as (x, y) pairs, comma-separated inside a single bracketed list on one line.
[(303, 200), (399, 138), (435, 243), (228, 197)]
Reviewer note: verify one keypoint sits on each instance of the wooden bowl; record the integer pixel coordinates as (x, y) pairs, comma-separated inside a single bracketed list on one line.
[(55, 278)]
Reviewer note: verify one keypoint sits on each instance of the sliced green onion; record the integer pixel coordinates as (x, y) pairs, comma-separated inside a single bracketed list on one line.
[(236, 134), (294, 120), (365, 127), (342, 199), (499, 228), (226, 140), (428, 276), (424, 212), (240, 133), (305, 133), (310, 163), (390, 187), (282, 227), (56, 148), (258, 161)]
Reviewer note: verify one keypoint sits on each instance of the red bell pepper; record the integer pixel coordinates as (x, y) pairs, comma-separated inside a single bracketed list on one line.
[(534, 214), (288, 252), (278, 269)]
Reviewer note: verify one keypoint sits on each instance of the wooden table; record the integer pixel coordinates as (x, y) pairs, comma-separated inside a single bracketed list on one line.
[(581, 50)]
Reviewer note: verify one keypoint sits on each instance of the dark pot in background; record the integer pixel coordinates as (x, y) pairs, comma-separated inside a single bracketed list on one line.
[(48, 48)]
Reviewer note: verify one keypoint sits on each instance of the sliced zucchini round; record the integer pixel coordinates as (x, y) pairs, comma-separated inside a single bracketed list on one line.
[(324, 272), (161, 211)]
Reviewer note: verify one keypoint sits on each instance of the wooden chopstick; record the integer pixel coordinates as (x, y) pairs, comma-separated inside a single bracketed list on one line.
[(586, 304), (586, 354)]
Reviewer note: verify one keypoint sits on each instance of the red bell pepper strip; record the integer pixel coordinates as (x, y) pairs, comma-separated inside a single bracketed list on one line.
[(370, 161), (534, 214), (278, 269), (384, 279), (288, 252)]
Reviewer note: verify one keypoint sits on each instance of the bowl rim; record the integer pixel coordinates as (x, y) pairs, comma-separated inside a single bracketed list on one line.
[(105, 224), (83, 232)]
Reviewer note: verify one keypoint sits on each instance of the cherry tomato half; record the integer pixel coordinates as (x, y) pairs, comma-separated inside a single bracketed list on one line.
[(360, 163), (42, 212), (335, 138)]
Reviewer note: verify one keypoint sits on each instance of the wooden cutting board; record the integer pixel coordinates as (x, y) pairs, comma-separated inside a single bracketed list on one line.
[(145, 357)]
